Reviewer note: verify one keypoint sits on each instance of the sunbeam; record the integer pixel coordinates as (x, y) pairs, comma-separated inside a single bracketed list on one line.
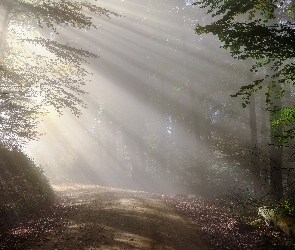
[(142, 124), (147, 105)]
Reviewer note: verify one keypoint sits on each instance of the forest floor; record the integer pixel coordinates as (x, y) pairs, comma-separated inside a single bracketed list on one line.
[(95, 217)]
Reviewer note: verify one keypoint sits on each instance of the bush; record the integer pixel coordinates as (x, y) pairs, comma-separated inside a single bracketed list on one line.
[(24, 190)]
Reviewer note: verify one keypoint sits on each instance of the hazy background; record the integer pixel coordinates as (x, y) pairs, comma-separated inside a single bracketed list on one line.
[(159, 114)]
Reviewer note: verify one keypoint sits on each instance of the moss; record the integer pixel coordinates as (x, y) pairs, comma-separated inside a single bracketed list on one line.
[(279, 219)]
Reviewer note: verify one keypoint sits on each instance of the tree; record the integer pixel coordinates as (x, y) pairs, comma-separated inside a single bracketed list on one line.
[(38, 67), (250, 31)]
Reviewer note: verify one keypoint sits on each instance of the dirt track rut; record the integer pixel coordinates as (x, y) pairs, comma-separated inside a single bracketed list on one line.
[(106, 218)]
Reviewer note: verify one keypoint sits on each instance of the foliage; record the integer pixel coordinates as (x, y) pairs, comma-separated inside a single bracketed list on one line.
[(285, 120), (244, 206), (38, 67), (249, 30), (23, 187), (287, 207)]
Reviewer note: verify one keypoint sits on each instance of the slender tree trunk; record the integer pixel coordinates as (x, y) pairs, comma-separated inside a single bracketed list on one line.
[(289, 170), (3, 33), (264, 144), (276, 165), (276, 154), (254, 143)]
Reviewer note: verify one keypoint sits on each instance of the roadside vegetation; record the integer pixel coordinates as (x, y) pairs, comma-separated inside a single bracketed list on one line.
[(24, 190)]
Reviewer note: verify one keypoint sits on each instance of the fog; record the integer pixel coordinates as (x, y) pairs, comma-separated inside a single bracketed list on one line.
[(159, 114)]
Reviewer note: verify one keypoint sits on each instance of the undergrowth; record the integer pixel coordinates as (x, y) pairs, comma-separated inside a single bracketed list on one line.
[(24, 190)]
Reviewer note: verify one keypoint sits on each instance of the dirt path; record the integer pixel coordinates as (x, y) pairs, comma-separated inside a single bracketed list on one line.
[(105, 218)]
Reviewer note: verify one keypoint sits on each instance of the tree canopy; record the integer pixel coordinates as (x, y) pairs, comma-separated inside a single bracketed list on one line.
[(38, 66), (264, 32)]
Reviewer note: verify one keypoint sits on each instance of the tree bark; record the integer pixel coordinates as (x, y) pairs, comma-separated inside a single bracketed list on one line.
[(254, 143), (264, 144), (3, 33), (276, 154)]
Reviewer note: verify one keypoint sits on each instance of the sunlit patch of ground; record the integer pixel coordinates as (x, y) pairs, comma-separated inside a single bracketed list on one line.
[(108, 218), (95, 217)]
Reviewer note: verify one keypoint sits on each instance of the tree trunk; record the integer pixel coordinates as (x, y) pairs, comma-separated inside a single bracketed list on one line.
[(255, 157), (264, 144), (276, 154), (4, 27)]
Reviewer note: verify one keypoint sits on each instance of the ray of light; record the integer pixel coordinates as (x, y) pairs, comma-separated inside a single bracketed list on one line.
[(146, 85)]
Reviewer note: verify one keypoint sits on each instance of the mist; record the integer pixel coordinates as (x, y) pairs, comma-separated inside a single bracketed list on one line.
[(159, 114), (144, 124)]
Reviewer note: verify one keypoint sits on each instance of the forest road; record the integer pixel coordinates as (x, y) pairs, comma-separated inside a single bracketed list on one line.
[(107, 218)]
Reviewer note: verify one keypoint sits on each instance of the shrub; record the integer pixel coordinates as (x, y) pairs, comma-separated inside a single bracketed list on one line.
[(24, 190)]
